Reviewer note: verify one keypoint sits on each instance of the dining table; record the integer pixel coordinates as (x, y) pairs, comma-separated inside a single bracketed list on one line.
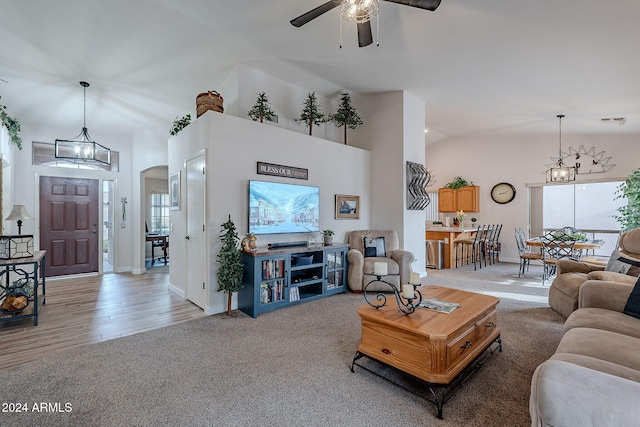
[(579, 244)]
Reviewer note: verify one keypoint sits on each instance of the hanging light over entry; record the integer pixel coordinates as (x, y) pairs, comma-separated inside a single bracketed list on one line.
[(560, 172), (82, 148)]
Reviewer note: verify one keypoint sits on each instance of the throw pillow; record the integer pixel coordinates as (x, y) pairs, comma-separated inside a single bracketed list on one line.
[(621, 263), (374, 247), (632, 308)]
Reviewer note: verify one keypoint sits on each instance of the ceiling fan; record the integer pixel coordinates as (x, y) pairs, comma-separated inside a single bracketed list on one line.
[(360, 12)]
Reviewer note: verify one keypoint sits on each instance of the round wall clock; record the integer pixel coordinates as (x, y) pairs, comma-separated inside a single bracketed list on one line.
[(503, 193)]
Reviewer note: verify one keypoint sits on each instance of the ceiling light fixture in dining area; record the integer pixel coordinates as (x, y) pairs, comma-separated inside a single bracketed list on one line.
[(560, 173)]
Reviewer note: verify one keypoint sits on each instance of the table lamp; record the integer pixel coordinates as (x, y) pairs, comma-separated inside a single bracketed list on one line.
[(19, 213)]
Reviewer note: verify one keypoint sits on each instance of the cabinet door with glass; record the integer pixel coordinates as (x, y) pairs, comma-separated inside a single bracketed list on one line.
[(273, 283), (336, 269)]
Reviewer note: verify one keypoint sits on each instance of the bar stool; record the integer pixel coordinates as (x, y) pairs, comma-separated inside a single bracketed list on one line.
[(472, 248)]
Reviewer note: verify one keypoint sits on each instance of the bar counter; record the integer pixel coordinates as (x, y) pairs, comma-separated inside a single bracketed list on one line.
[(448, 235)]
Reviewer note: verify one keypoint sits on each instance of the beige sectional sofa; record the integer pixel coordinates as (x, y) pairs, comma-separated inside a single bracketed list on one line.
[(563, 293), (594, 376)]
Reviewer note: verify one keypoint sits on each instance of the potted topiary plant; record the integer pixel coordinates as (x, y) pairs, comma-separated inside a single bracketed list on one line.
[(327, 237), (629, 217), (311, 113), (261, 110), (230, 268), (346, 116)]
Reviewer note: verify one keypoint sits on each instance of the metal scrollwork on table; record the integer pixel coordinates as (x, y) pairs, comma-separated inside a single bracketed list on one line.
[(381, 299)]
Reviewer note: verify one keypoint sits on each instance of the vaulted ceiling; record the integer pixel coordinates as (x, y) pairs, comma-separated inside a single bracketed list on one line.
[(483, 67)]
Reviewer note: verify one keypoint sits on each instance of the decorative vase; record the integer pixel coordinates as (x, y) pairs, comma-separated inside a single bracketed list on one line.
[(461, 224), (249, 243), (328, 240)]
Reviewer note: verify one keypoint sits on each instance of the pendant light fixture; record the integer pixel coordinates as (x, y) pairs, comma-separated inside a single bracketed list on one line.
[(561, 173), (82, 148)]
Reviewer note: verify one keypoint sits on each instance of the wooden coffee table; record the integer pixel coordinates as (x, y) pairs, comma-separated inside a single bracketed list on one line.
[(441, 350)]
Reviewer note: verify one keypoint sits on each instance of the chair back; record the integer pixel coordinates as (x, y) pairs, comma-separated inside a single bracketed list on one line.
[(520, 241), (481, 234), (629, 242), (558, 244), (391, 242)]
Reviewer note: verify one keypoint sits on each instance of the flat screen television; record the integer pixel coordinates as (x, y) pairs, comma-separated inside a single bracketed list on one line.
[(276, 208)]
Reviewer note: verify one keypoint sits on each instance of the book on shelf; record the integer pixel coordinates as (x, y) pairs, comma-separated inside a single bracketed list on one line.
[(272, 269), (439, 305), (294, 293)]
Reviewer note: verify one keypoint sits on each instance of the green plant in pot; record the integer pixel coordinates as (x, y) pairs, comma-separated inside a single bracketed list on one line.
[(230, 268), (458, 182), (629, 217), (12, 125), (327, 237), (473, 221), (179, 124)]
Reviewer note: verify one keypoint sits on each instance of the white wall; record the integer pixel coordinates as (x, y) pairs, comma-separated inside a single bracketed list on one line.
[(7, 155), (521, 161), (394, 132), (241, 88), (234, 145)]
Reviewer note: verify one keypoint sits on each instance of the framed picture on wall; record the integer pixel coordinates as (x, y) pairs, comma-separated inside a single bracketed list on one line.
[(174, 191), (347, 207)]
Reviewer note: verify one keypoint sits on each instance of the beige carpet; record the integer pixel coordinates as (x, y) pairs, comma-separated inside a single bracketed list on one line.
[(286, 368)]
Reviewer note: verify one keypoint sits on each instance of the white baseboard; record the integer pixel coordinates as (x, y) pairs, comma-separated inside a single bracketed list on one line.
[(176, 290)]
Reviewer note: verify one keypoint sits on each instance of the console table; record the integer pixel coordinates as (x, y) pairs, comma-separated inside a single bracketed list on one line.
[(28, 276), (440, 350)]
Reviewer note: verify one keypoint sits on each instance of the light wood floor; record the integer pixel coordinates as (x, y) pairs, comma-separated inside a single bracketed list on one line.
[(87, 310)]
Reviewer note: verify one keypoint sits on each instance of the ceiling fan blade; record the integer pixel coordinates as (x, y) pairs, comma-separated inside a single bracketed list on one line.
[(421, 4), (365, 37), (313, 14)]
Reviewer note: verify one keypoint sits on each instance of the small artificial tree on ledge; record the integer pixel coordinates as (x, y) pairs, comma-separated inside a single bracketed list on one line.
[(346, 115), (230, 269), (261, 110), (311, 113)]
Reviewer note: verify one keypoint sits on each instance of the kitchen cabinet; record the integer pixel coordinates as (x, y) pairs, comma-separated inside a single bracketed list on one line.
[(461, 199)]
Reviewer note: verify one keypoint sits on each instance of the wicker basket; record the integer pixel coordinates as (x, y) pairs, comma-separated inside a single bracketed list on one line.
[(206, 101)]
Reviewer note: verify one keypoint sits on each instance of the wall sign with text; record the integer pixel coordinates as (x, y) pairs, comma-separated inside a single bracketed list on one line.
[(284, 171)]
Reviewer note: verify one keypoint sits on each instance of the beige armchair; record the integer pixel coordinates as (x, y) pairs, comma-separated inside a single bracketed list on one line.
[(563, 293), (361, 267)]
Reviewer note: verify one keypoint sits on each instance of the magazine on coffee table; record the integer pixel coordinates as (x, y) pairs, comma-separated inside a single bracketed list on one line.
[(439, 305)]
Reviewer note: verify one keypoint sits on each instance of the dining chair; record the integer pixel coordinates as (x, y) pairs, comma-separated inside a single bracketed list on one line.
[(526, 254), (556, 244)]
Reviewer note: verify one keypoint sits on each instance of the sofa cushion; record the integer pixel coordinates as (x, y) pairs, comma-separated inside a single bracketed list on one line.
[(605, 345), (374, 247), (632, 308), (601, 318), (599, 365), (625, 264)]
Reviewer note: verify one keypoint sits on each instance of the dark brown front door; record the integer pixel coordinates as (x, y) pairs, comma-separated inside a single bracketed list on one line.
[(69, 225)]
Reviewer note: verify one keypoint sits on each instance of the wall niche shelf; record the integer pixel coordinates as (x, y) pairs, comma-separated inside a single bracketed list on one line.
[(276, 278)]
